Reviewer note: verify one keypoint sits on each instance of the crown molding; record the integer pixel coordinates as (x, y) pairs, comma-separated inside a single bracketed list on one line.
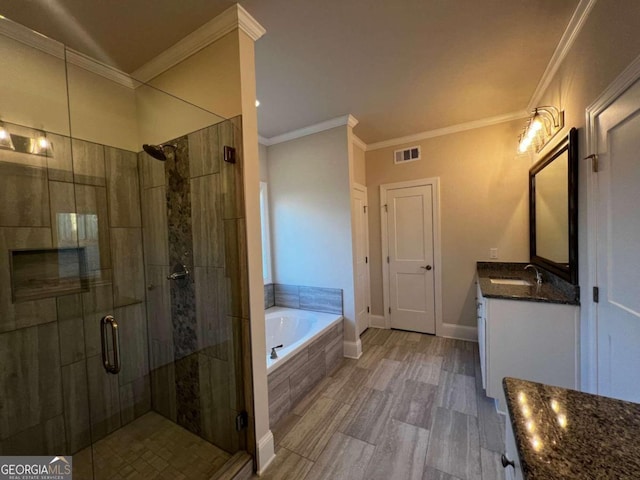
[(29, 37), (349, 120), (249, 25), (461, 127), (263, 141), (569, 36), (359, 143), (52, 47), (232, 18), (87, 63)]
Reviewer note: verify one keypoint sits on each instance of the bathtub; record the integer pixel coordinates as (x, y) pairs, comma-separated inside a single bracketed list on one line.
[(295, 330), (312, 351)]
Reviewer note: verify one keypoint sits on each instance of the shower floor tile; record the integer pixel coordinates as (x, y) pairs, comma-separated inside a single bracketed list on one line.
[(150, 447)]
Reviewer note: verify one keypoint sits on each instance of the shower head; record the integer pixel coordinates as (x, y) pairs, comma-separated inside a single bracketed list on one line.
[(157, 151)]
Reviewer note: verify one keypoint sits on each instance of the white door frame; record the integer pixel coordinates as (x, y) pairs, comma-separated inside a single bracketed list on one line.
[(589, 343), (363, 189), (437, 264)]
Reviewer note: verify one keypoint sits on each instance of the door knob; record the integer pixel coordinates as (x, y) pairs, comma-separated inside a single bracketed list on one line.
[(428, 267)]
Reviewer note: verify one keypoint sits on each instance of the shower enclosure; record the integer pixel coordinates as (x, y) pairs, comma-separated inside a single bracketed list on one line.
[(124, 339)]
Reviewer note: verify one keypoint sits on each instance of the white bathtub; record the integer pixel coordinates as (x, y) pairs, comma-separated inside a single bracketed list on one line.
[(295, 330)]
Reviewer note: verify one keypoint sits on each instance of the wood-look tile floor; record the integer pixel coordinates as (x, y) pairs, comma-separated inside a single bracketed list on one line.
[(412, 407)]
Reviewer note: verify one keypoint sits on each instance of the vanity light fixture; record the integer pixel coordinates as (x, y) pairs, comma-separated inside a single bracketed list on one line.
[(5, 138), (41, 145), (541, 127)]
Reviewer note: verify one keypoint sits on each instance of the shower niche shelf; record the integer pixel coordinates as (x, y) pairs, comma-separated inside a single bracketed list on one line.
[(46, 273)]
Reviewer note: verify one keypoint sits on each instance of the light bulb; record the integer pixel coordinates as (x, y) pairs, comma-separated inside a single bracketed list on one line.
[(536, 125), (5, 139), (41, 146), (257, 102)]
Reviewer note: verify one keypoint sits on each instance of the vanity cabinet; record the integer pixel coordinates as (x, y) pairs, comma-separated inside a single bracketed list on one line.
[(534, 341), (511, 452)]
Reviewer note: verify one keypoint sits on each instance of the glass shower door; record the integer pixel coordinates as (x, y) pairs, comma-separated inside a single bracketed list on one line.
[(44, 403)]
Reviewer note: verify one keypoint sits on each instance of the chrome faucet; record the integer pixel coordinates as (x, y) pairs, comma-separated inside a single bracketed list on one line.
[(538, 273), (274, 354)]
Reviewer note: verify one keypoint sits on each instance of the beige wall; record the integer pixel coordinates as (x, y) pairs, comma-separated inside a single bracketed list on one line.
[(310, 213), (359, 165), (483, 204), (102, 111), (608, 42), (216, 86), (33, 88)]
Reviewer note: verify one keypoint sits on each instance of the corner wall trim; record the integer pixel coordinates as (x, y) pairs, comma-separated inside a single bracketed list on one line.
[(349, 120), (233, 17), (352, 349), (266, 452)]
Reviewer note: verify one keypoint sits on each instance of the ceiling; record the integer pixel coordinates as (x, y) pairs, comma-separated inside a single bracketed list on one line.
[(400, 67)]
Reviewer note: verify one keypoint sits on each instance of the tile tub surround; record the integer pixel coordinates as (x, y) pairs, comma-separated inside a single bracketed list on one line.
[(600, 439), (299, 371), (552, 290), (317, 299), (269, 296), (392, 414)]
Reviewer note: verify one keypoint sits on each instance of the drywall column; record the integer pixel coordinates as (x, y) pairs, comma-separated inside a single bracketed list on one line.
[(265, 450), (352, 343)]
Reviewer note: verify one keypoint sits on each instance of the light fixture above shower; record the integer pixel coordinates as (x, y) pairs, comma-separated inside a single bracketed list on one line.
[(158, 151)]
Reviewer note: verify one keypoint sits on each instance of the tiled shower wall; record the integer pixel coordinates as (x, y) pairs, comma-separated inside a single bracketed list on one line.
[(193, 214), (56, 396)]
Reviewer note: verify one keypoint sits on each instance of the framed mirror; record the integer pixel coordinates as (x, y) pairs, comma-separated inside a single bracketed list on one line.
[(553, 210)]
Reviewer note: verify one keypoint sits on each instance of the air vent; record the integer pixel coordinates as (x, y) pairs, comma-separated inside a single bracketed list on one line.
[(410, 154)]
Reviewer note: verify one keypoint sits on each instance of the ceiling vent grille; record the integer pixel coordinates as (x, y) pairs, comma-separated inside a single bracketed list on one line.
[(405, 155)]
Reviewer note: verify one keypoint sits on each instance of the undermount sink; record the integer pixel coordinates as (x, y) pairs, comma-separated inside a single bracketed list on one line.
[(510, 281)]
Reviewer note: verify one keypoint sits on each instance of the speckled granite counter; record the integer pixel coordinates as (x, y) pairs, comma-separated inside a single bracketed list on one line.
[(569, 435), (553, 289)]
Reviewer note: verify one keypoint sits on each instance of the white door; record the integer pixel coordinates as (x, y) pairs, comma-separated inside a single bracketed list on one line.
[(617, 132), (361, 253), (411, 268)]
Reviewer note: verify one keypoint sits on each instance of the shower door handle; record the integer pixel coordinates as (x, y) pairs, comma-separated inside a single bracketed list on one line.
[(106, 322)]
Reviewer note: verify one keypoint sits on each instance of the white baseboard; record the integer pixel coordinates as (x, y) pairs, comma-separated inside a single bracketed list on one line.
[(266, 452), (352, 349), (377, 321), (461, 332)]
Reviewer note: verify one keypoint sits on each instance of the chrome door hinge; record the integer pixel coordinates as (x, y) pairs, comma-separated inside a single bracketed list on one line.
[(594, 162), (242, 421), (596, 295)]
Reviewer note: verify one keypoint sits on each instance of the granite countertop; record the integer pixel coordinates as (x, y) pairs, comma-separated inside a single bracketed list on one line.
[(552, 290), (570, 435)]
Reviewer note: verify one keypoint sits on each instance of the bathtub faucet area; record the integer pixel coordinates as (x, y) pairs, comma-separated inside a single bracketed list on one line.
[(274, 354)]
